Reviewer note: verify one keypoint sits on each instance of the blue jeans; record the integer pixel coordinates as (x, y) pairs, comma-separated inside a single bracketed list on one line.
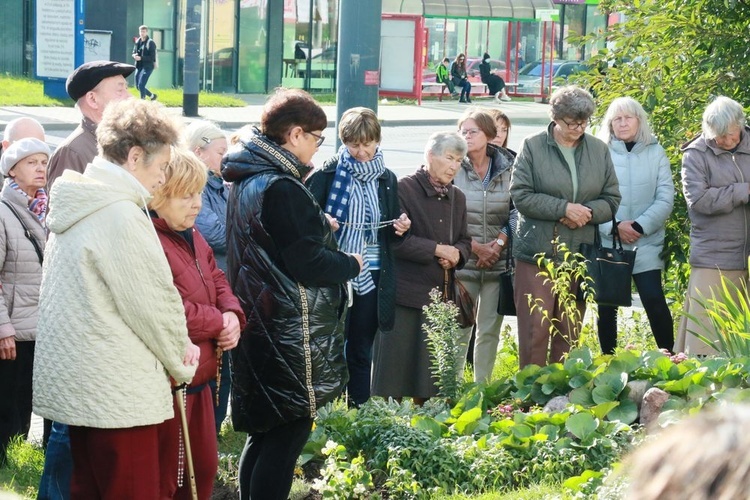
[(58, 466), (141, 79)]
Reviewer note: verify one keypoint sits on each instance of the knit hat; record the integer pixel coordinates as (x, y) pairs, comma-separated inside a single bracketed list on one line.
[(485, 56), (20, 150)]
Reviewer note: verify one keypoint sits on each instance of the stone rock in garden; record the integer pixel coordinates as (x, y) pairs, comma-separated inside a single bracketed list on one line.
[(556, 404), (637, 389), (653, 401)]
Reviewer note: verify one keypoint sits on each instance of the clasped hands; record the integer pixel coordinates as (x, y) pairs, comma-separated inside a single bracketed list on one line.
[(576, 215), (227, 339), (448, 256)]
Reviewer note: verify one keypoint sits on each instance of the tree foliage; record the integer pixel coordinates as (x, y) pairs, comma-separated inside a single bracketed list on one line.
[(674, 57)]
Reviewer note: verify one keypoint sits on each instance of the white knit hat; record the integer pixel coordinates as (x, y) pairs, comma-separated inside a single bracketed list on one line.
[(20, 150)]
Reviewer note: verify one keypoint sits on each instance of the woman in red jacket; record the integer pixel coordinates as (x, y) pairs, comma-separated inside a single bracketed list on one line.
[(214, 320)]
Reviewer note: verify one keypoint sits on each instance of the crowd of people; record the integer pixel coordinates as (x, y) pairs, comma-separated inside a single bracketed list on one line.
[(147, 267)]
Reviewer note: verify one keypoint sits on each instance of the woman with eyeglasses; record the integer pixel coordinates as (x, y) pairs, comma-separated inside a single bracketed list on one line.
[(284, 265), (357, 191), (484, 177), (563, 185), (647, 190), (460, 78)]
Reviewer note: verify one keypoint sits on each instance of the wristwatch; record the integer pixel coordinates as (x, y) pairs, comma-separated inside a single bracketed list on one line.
[(500, 242)]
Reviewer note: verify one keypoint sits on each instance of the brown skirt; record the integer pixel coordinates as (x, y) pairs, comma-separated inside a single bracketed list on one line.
[(401, 362)]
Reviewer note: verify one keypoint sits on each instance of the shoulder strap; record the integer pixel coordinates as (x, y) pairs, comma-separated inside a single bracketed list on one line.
[(27, 232)]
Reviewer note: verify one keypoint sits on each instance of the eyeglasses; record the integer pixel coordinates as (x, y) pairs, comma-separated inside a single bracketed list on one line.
[(320, 138), (469, 132), (576, 125)]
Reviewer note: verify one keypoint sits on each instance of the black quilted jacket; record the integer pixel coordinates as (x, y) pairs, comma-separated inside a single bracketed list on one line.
[(290, 358), (320, 183)]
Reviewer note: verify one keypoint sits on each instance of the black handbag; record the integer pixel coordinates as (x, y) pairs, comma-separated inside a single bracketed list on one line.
[(456, 292), (611, 270), (506, 303)]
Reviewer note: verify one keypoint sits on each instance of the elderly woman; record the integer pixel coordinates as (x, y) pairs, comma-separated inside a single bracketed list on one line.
[(284, 266), (111, 323), (716, 184), (357, 190), (563, 184), (460, 78), (438, 240), (214, 318), (647, 190), (209, 144), (484, 177), (22, 237)]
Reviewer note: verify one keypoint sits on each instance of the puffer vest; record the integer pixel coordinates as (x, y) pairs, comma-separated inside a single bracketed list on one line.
[(290, 358)]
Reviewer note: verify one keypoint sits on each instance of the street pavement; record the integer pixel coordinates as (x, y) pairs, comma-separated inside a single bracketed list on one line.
[(390, 115)]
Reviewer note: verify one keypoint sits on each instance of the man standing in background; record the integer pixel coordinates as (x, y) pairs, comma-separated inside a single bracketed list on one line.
[(144, 54)]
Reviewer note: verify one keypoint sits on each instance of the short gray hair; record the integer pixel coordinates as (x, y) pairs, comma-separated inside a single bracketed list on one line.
[(200, 133), (721, 115), (441, 142), (571, 101), (629, 106)]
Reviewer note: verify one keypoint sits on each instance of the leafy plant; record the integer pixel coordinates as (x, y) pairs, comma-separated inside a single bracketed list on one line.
[(728, 314), (564, 273), (341, 478), (442, 343)]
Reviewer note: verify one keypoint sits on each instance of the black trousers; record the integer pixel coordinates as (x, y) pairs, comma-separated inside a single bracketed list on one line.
[(268, 460), (361, 326), (651, 292), (15, 395)]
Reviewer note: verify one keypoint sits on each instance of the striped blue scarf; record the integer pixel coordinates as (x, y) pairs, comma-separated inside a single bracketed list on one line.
[(353, 201)]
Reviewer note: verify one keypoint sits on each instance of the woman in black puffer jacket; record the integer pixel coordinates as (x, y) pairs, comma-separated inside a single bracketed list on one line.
[(284, 266)]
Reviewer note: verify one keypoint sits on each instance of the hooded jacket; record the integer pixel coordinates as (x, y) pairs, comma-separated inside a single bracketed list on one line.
[(20, 270), (716, 184), (487, 210), (542, 186), (645, 180), (205, 294), (111, 323), (284, 266), (320, 183)]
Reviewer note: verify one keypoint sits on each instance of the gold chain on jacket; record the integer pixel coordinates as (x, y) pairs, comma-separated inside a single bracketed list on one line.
[(308, 355), (277, 155)]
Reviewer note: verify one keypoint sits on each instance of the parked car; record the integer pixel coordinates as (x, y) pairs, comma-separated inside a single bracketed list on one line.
[(322, 64), (530, 76)]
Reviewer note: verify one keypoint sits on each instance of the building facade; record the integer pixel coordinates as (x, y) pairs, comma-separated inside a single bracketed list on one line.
[(252, 46)]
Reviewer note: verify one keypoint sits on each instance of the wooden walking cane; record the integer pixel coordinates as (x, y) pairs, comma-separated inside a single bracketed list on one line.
[(179, 397)]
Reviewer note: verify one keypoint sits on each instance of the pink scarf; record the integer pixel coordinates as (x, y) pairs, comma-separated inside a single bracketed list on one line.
[(37, 204)]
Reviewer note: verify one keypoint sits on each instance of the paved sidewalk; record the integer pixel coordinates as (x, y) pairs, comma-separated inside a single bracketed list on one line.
[(391, 115)]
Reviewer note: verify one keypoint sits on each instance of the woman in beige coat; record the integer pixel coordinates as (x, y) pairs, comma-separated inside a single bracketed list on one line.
[(22, 235)]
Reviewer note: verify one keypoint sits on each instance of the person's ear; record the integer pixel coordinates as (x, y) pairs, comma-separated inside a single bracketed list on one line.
[(295, 136), (135, 155)]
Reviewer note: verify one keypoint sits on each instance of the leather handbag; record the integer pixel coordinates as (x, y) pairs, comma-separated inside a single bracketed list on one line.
[(456, 292), (611, 270), (506, 302)]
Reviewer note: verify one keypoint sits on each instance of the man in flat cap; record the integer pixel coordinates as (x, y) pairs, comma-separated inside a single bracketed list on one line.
[(92, 85)]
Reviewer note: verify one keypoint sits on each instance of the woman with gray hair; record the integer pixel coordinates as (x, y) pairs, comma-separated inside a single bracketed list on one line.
[(209, 143), (716, 184), (647, 190), (563, 184), (438, 240)]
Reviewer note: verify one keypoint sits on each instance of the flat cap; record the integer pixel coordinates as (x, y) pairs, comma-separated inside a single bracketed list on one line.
[(88, 75), (20, 150)]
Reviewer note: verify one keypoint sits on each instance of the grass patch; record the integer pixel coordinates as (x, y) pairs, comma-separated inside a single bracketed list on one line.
[(15, 91), (23, 468)]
